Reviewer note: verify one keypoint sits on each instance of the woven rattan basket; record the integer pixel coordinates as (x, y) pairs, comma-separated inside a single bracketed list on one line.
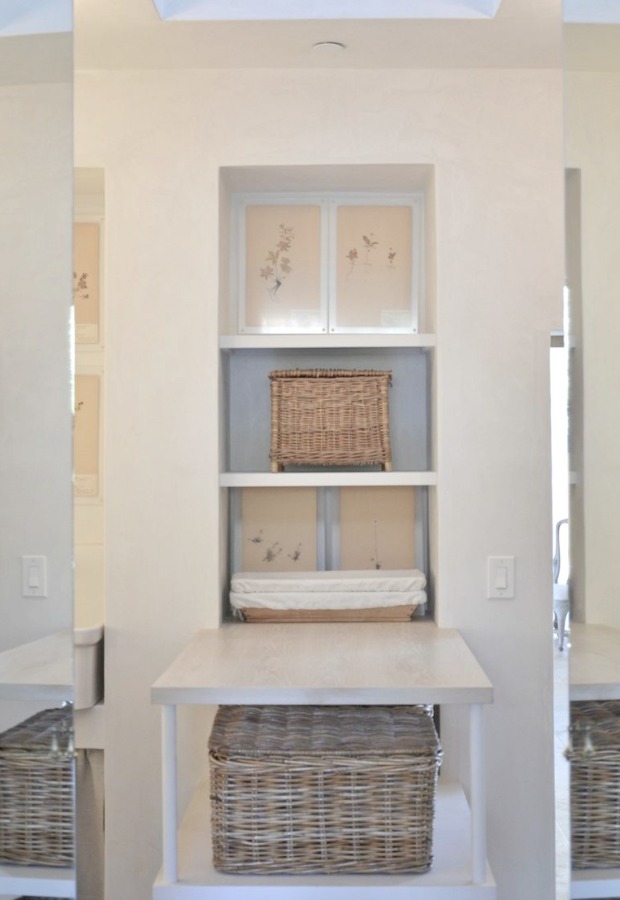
[(594, 754), (300, 789), (330, 417), (36, 791)]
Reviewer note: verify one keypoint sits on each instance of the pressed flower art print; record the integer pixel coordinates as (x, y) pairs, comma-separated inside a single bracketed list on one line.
[(282, 260), (374, 267)]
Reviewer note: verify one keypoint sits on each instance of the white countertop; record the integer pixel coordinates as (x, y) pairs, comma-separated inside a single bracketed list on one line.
[(39, 670), (325, 664), (594, 662)]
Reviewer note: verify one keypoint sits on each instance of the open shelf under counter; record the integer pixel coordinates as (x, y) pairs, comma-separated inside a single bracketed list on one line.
[(447, 879), (360, 663), (323, 341), (37, 881), (327, 478)]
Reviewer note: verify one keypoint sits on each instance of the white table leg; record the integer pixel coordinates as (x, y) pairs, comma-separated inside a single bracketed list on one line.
[(169, 793), (478, 794)]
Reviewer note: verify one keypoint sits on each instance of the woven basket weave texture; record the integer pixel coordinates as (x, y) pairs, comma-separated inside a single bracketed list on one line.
[(36, 791), (330, 417), (301, 789), (594, 755)]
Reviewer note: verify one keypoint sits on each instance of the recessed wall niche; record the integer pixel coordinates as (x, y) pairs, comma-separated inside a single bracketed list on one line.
[(325, 511)]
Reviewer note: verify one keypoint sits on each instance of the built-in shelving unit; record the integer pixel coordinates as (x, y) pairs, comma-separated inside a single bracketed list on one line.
[(594, 674), (381, 663), (352, 327)]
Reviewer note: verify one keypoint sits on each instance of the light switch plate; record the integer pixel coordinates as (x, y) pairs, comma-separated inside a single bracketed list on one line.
[(500, 577), (34, 576)]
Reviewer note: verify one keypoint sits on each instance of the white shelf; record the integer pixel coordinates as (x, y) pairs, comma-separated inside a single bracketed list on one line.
[(39, 670), (447, 880), (327, 478), (323, 341), (37, 881), (594, 662), (360, 663), (587, 884)]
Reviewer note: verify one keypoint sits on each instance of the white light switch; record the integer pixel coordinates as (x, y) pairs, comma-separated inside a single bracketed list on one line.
[(34, 576), (500, 577)]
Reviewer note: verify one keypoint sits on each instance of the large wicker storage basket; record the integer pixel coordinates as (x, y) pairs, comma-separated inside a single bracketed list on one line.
[(594, 755), (330, 417), (300, 789), (36, 791)]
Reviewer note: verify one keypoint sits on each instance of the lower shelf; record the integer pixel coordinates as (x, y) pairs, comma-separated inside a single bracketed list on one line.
[(37, 881), (587, 884), (449, 878)]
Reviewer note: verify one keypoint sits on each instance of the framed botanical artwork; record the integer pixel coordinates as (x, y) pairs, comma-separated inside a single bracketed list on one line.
[(376, 267), (349, 263), (377, 528), (281, 274), (278, 529), (86, 282), (86, 436)]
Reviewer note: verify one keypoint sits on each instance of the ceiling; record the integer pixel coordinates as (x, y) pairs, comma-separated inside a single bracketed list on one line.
[(128, 34)]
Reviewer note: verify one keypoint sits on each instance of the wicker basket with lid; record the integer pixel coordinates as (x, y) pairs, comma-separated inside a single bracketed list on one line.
[(300, 789)]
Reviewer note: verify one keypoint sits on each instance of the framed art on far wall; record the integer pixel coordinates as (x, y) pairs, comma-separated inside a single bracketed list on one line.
[(86, 282), (86, 436)]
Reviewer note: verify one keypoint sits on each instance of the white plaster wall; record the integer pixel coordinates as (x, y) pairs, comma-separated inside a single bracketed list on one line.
[(36, 178), (593, 146), (495, 138)]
